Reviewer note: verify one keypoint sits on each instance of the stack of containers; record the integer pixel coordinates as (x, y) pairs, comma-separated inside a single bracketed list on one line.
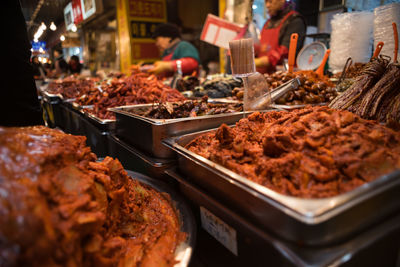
[(384, 16), (351, 37)]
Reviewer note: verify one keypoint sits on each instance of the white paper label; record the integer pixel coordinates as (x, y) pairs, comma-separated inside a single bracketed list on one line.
[(225, 234)]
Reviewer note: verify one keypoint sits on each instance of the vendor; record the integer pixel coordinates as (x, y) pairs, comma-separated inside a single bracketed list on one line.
[(177, 55), (275, 35)]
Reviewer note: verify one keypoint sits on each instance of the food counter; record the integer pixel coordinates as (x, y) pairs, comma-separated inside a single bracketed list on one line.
[(271, 180)]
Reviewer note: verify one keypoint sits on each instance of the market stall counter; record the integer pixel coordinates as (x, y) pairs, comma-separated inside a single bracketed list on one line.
[(227, 238)]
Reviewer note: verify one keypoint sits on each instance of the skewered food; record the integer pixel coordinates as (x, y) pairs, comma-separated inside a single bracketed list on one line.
[(353, 71), (190, 108), (59, 207), (313, 152)]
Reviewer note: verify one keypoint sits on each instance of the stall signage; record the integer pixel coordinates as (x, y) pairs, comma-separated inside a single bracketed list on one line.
[(144, 16), (91, 7), (152, 9), (37, 45), (68, 17), (221, 231), (77, 11), (219, 32)]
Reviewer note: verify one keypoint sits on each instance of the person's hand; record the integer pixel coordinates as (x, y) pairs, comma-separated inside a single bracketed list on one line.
[(261, 61), (161, 67), (136, 67)]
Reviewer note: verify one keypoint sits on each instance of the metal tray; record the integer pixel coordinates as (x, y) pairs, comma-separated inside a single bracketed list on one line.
[(105, 125), (134, 159), (184, 251), (147, 134), (377, 246), (306, 221)]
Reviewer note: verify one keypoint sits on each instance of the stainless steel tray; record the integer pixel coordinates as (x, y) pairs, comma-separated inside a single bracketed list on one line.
[(306, 221), (184, 251), (147, 134), (105, 125)]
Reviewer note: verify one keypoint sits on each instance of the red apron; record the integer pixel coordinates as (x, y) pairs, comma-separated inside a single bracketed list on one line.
[(269, 42)]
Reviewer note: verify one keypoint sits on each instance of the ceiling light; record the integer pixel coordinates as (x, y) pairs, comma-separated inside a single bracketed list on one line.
[(62, 38), (53, 26), (74, 28), (43, 26)]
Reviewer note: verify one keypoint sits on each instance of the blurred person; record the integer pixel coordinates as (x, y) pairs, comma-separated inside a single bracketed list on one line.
[(61, 66), (177, 55), (19, 104), (38, 70), (275, 35), (74, 66)]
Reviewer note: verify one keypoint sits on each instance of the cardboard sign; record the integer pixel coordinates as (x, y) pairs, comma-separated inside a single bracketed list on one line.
[(219, 32)]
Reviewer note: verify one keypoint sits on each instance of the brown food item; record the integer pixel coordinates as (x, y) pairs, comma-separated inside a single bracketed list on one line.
[(351, 98), (59, 207), (312, 90), (353, 71), (190, 108), (72, 87), (313, 152), (139, 88)]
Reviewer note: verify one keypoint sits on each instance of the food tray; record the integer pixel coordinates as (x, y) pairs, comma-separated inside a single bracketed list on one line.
[(132, 158), (377, 246), (147, 134), (105, 125), (184, 251), (306, 221)]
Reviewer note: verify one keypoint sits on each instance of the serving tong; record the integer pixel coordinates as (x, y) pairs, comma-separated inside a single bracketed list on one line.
[(265, 100)]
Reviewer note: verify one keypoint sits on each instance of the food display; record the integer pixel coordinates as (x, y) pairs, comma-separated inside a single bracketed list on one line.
[(374, 93), (61, 207), (218, 86), (315, 152), (353, 71), (139, 88), (313, 89), (190, 108), (72, 87)]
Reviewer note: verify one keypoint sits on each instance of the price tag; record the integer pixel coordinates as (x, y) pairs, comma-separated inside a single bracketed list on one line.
[(225, 234)]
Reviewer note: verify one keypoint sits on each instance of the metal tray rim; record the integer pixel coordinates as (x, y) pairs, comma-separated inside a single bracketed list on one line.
[(321, 209), (169, 121), (184, 250)]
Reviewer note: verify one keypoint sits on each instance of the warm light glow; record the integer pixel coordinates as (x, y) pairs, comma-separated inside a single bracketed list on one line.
[(43, 26), (40, 59), (62, 38), (53, 26), (41, 50), (44, 60), (31, 49), (74, 28), (36, 40)]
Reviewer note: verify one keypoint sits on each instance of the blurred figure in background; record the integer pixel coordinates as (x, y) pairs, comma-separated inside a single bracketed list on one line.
[(74, 66), (60, 64), (19, 104), (275, 35), (177, 55), (37, 68)]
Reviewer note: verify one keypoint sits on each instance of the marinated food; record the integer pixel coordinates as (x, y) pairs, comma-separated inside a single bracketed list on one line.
[(190, 108), (60, 207), (139, 88), (314, 152), (72, 87)]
